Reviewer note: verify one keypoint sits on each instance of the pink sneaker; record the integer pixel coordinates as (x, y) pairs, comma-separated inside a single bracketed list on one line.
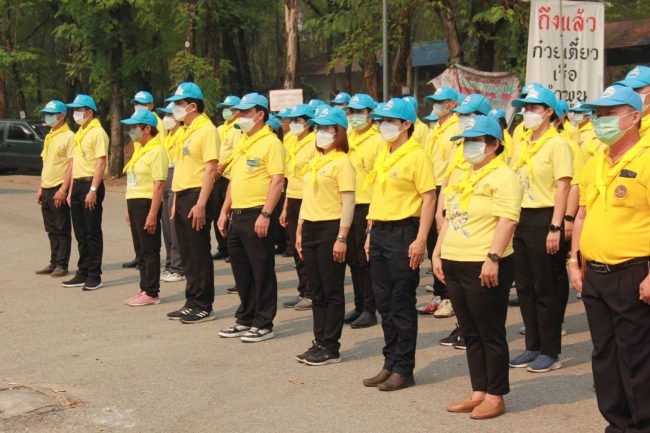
[(144, 300), (126, 301)]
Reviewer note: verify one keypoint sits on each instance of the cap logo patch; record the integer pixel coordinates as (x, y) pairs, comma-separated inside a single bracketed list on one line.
[(388, 105), (533, 94), (179, 91), (140, 95), (609, 92), (324, 112), (355, 99), (470, 123), (439, 91), (634, 73), (50, 105), (467, 100)]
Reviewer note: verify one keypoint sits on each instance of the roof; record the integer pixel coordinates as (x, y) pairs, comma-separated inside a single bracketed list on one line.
[(624, 34), (429, 53)]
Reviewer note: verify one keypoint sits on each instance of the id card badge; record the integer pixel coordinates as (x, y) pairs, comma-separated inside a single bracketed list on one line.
[(186, 150), (131, 178), (253, 162)]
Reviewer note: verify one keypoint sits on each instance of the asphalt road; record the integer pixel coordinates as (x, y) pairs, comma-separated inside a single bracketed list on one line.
[(132, 370)]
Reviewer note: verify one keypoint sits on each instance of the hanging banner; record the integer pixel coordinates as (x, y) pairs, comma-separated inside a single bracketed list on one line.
[(283, 98), (566, 48)]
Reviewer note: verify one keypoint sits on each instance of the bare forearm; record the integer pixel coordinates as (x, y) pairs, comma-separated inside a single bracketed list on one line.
[(208, 182), (441, 236), (99, 171), (67, 178), (577, 232), (561, 196), (227, 202), (572, 202), (156, 200), (272, 197), (427, 214), (503, 235)]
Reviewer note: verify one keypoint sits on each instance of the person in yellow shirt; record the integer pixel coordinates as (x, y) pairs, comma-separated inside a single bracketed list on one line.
[(399, 218), (54, 186), (257, 170), (195, 171), (302, 150), (544, 167), (421, 129), (589, 144), (518, 134), (474, 257), (612, 233), (364, 143), (321, 240), (173, 270), (86, 195), (639, 80), (500, 116), (341, 100), (146, 173)]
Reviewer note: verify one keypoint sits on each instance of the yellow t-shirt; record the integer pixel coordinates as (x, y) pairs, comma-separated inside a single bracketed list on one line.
[(298, 156), (173, 145), (93, 144), (399, 196), (229, 136), (162, 132), (507, 145), (288, 141), (470, 234), (578, 158), (518, 136), (420, 132), (617, 229), (553, 161), (441, 148), (458, 168), (200, 144), (57, 151), (322, 197), (148, 168), (589, 144), (363, 151), (645, 126), (572, 131), (251, 172)]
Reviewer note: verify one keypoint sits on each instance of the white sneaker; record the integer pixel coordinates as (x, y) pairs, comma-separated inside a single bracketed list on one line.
[(173, 277), (444, 309), (428, 289), (255, 335), (164, 274)]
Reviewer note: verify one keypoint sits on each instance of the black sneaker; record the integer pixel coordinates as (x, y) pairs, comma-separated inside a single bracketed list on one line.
[(198, 315), (176, 315), (351, 316), (309, 352), (322, 356), (451, 338), (76, 281), (460, 343), (232, 290), (92, 284)]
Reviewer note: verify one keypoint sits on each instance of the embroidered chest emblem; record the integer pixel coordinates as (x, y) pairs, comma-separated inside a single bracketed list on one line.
[(620, 192)]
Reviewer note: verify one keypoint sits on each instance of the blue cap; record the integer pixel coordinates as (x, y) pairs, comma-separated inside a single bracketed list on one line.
[(302, 110), (167, 109), (341, 98), (497, 113), (474, 103), (443, 94), (361, 101), (579, 108), (527, 88), (230, 101), (145, 117), (284, 113), (373, 114), (397, 108), (274, 122), (54, 107), (316, 102), (537, 95), (431, 117), (81, 101), (251, 100), (329, 116), (186, 90), (617, 95), (411, 100), (142, 97), (561, 107), (478, 126), (637, 77), (461, 97)]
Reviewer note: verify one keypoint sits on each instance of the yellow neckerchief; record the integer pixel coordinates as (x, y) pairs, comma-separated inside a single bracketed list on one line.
[(438, 129), (142, 150), (172, 140), (355, 140), (81, 133), (386, 160), (592, 147), (645, 125), (295, 148), (320, 161), (466, 187), (49, 138), (527, 152), (458, 162), (586, 127), (227, 126), (605, 173), (245, 144)]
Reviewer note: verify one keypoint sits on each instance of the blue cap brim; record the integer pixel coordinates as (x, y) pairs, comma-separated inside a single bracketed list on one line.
[(519, 103), (356, 107), (321, 122), (438, 98), (243, 107), (464, 110), (73, 105), (51, 111), (164, 110), (222, 104), (132, 122), (139, 101), (468, 134), (632, 82), (175, 98), (602, 102), (431, 118)]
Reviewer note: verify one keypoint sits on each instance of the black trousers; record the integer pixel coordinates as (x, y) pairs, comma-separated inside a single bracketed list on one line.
[(364, 297), (563, 279), (439, 288), (58, 228), (538, 287), (87, 225), (253, 266), (395, 283), (220, 186), (481, 313), (293, 212), (194, 247), (276, 231), (619, 323), (326, 279), (146, 246)]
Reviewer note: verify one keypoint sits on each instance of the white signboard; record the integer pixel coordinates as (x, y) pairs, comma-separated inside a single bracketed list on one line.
[(566, 48), (282, 98)]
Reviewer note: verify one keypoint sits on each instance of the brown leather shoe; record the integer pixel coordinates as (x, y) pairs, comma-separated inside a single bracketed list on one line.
[(45, 271), (381, 377), (464, 406), (58, 272), (487, 410), (396, 382)]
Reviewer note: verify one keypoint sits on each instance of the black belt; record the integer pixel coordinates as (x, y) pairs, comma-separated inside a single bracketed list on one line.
[(84, 179), (247, 210), (602, 268), (188, 191), (389, 225)]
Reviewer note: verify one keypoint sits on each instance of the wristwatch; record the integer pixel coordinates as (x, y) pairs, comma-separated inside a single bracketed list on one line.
[(266, 215), (341, 238), (554, 229), (569, 218), (494, 257), (93, 188)]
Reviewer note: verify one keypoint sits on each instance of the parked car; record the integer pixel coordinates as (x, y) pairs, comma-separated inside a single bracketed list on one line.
[(21, 144)]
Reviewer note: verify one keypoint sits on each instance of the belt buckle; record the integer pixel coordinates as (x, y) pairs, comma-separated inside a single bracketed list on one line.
[(236, 211), (601, 268)]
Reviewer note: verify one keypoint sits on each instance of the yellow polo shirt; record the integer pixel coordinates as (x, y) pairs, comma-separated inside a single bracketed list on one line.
[(470, 233), (572, 131), (229, 137), (617, 229), (518, 135), (578, 159), (645, 126), (57, 151), (300, 153), (288, 141), (173, 145), (162, 132), (441, 148), (322, 197), (199, 145), (507, 145), (420, 132), (458, 168), (552, 162), (363, 151), (93, 145), (399, 196), (589, 144), (147, 169), (251, 172)]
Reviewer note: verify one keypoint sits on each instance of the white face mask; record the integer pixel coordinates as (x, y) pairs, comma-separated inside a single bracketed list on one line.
[(51, 119), (440, 109), (78, 117), (169, 122), (324, 139), (179, 112), (245, 123), (474, 151), (578, 118), (389, 132), (135, 134), (296, 128), (137, 107), (463, 121), (532, 120)]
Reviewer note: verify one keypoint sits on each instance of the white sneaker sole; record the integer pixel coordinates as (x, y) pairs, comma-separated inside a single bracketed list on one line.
[(555, 366), (317, 364), (232, 334), (91, 289), (519, 365), (146, 304), (443, 316), (209, 318), (268, 336), (73, 285)]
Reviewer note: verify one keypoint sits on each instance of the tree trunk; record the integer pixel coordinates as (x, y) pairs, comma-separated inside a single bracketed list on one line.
[(116, 154), (347, 78), (3, 96), (291, 32), (245, 71), (446, 15), (400, 60), (190, 29), (370, 75), (211, 40)]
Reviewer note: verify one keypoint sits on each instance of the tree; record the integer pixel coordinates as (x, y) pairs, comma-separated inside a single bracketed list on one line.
[(291, 31)]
